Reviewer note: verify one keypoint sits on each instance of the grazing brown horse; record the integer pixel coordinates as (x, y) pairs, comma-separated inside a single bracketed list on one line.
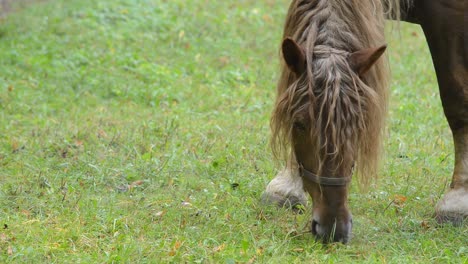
[(332, 99)]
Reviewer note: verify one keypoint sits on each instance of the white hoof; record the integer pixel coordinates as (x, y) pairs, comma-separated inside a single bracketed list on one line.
[(285, 190), (453, 207)]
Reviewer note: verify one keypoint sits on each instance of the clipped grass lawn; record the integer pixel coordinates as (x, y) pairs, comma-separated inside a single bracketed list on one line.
[(137, 131)]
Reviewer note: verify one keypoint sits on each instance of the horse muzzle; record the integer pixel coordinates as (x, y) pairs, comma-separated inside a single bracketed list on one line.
[(336, 230)]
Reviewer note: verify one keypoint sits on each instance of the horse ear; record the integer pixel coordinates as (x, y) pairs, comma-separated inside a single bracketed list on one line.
[(294, 56), (361, 61)]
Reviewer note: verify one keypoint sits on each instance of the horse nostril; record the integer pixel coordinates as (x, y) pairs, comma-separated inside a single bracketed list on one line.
[(314, 227)]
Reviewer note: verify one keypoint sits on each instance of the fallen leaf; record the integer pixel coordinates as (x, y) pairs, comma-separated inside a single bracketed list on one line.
[(267, 18), (102, 134), (399, 199), (425, 225), (176, 247), (78, 143), (219, 248), (14, 146), (10, 251), (26, 213), (136, 183)]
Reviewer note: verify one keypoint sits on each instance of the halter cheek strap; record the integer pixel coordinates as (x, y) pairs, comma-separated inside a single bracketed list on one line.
[(323, 181)]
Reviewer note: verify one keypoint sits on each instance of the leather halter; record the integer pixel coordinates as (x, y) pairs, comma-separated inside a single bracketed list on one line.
[(323, 181)]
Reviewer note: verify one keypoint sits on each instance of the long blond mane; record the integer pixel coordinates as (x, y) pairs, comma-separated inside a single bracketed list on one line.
[(346, 112)]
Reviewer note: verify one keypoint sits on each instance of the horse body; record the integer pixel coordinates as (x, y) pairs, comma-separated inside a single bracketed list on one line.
[(332, 97)]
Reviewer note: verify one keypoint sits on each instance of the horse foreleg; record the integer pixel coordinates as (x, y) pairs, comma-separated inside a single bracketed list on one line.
[(286, 190), (443, 24)]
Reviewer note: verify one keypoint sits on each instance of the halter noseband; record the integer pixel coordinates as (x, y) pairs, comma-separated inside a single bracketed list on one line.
[(323, 181)]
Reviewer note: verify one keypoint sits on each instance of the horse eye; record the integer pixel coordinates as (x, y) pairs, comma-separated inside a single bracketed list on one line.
[(299, 126)]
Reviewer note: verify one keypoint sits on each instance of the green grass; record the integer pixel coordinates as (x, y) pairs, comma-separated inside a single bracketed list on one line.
[(137, 131)]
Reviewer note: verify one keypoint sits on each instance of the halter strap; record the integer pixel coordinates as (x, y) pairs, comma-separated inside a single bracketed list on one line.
[(324, 181)]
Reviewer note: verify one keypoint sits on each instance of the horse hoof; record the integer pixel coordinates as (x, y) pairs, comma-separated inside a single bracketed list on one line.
[(453, 207), (286, 191), (294, 203)]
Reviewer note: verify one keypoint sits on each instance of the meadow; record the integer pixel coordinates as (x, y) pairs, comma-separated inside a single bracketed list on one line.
[(138, 132)]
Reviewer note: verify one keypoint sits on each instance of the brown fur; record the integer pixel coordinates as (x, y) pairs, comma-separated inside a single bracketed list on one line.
[(346, 113)]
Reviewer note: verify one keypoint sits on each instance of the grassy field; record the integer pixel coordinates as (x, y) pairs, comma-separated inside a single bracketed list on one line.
[(137, 132)]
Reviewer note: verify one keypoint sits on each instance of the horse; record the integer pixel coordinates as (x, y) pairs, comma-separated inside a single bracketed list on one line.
[(329, 114)]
